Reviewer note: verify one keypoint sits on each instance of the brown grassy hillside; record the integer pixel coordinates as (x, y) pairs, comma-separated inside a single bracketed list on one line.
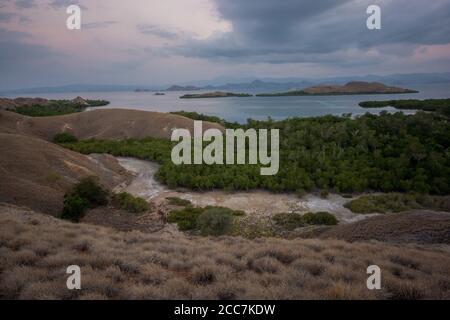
[(406, 227), (36, 250), (102, 124), (36, 173), (6, 103)]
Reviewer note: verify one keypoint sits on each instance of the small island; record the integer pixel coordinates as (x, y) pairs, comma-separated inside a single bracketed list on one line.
[(40, 107), (217, 94), (441, 106), (354, 87), (142, 90)]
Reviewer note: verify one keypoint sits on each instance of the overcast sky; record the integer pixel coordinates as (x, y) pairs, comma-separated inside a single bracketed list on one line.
[(154, 42)]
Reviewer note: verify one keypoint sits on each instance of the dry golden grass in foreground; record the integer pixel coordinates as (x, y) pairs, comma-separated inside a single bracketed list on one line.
[(36, 249)]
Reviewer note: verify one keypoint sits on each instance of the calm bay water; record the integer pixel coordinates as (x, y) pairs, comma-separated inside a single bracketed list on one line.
[(239, 109)]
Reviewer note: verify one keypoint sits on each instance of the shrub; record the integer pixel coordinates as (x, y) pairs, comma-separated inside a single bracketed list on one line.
[(289, 221), (64, 137), (175, 201), (186, 219), (89, 188), (128, 202), (74, 207), (215, 221), (87, 193), (396, 202), (236, 213), (320, 218)]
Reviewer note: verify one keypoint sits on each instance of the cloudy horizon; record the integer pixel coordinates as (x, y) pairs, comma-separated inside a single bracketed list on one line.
[(178, 41)]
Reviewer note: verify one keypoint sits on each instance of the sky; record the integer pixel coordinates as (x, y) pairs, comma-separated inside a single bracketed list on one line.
[(156, 42)]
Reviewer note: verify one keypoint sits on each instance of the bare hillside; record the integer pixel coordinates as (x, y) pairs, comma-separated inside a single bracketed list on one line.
[(102, 124), (36, 173)]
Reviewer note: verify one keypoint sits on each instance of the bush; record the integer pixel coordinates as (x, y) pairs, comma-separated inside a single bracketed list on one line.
[(64, 137), (90, 189), (128, 202), (175, 201), (320, 218), (87, 193), (74, 207), (214, 221), (289, 221), (236, 213), (397, 202), (186, 219)]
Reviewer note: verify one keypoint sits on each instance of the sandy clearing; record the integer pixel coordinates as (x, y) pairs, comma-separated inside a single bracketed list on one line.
[(257, 203)]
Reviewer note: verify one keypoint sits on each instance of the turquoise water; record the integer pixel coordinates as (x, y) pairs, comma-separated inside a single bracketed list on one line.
[(239, 109)]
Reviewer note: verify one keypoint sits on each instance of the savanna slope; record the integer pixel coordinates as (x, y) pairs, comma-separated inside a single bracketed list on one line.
[(36, 249)]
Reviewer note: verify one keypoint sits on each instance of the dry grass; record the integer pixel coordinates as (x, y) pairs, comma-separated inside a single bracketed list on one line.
[(424, 227), (36, 249)]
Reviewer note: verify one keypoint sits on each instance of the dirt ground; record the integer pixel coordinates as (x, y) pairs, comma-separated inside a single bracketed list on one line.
[(256, 203)]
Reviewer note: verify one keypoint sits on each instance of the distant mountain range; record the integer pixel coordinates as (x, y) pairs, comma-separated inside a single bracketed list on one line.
[(252, 85)]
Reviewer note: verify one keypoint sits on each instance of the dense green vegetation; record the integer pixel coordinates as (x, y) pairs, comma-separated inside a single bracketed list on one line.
[(386, 152), (291, 221), (438, 105), (210, 220), (57, 107), (130, 203), (320, 218), (96, 103), (397, 202), (175, 201), (214, 222), (87, 193), (74, 207), (64, 137)]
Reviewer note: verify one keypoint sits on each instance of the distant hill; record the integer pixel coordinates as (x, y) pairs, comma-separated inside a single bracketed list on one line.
[(181, 88), (354, 87), (252, 84)]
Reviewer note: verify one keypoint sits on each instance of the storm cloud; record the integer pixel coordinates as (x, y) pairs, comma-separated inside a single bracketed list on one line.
[(301, 31), (174, 41)]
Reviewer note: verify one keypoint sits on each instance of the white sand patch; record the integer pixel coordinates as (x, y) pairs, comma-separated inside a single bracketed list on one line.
[(260, 203)]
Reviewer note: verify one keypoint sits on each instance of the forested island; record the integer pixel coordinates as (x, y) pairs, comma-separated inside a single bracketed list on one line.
[(217, 94), (433, 105), (354, 87), (39, 107)]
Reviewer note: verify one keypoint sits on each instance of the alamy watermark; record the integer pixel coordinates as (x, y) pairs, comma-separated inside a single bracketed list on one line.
[(191, 151), (74, 280), (73, 22)]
